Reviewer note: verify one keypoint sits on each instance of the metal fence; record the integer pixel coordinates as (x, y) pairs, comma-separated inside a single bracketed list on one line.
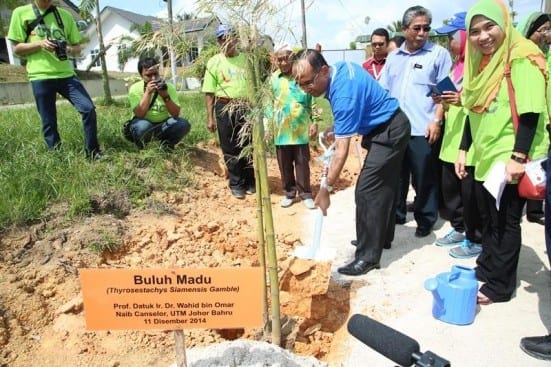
[(332, 56)]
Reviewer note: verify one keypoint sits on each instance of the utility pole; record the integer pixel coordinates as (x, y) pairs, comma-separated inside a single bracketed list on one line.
[(304, 43), (171, 42)]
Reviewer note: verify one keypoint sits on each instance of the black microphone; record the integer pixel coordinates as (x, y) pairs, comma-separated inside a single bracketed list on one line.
[(391, 343)]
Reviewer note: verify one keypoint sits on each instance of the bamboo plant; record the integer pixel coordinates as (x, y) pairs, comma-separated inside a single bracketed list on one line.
[(245, 16)]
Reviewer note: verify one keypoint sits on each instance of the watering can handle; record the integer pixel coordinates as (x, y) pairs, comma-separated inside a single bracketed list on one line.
[(454, 275)]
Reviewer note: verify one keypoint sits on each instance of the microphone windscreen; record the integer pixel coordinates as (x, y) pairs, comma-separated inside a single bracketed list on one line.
[(389, 342)]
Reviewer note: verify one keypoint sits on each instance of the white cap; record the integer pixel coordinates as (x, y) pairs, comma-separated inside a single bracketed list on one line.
[(282, 46)]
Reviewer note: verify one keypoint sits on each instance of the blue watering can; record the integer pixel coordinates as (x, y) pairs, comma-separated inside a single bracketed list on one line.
[(454, 295)]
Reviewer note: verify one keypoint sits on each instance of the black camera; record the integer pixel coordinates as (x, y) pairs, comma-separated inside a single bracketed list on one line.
[(60, 49), (161, 84)]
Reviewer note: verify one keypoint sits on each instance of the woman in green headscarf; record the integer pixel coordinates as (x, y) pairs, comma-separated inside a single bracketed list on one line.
[(535, 27), (492, 44)]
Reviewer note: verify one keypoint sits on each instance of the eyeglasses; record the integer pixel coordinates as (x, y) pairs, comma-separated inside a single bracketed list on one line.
[(417, 28), (309, 83), (377, 44)]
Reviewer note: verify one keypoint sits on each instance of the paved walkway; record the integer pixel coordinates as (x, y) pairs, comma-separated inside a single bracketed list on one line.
[(394, 295)]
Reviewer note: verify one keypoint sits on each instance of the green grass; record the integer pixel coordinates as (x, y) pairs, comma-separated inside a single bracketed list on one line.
[(33, 178)]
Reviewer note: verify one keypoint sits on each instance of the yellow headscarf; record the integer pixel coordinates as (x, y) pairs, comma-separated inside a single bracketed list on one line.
[(481, 88)]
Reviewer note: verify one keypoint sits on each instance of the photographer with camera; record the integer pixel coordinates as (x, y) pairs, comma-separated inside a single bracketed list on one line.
[(156, 109), (45, 36)]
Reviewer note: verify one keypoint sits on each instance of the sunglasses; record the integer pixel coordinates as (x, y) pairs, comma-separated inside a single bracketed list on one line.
[(417, 28), (377, 44)]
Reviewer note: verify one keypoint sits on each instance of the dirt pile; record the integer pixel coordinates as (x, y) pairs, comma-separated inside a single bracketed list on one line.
[(41, 310)]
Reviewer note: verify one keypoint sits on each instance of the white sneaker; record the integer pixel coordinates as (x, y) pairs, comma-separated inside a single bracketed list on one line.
[(285, 203), (309, 203)]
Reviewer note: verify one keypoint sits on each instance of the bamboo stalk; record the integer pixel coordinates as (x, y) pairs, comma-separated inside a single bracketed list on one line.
[(265, 202), (180, 346), (261, 241)]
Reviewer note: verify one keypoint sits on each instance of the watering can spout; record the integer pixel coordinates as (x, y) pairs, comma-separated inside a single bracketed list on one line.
[(431, 285)]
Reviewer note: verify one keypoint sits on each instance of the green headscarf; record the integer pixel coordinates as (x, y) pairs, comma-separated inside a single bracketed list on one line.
[(526, 23), (481, 88)]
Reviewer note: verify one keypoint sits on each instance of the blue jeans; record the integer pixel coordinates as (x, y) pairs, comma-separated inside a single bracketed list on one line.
[(45, 92), (169, 132)]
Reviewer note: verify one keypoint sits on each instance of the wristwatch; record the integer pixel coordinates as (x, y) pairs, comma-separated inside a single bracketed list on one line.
[(438, 121), (518, 159), (166, 99)]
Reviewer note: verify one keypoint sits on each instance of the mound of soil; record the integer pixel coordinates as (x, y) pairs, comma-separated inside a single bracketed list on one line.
[(41, 309)]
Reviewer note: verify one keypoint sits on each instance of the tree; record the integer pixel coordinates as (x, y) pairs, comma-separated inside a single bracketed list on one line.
[(131, 47), (86, 7), (395, 26), (245, 16)]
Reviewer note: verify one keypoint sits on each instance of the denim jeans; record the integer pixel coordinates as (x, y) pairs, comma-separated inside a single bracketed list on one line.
[(45, 92), (169, 132)]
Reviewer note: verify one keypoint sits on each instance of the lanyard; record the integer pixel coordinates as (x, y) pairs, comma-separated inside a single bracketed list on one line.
[(51, 9), (376, 74)]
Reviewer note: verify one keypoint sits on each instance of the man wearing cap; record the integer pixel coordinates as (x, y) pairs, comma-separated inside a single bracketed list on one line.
[(379, 43), (225, 88), (289, 119), (407, 74)]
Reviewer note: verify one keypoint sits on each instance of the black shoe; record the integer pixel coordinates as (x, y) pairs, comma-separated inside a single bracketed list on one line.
[(538, 220), (422, 232), (355, 244), (238, 193), (358, 267), (251, 189), (537, 346), (94, 155), (400, 220)]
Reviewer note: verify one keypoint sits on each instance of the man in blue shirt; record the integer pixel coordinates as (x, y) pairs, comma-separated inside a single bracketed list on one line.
[(407, 75), (360, 106)]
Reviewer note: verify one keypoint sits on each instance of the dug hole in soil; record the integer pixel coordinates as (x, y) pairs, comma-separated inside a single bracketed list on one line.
[(41, 309)]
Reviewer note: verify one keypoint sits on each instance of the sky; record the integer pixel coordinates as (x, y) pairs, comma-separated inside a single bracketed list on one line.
[(332, 23)]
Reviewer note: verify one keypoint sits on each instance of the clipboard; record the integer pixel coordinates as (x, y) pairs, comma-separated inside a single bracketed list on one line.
[(444, 85)]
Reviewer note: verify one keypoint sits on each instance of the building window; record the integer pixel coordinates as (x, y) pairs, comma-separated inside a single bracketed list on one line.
[(193, 53), (95, 57)]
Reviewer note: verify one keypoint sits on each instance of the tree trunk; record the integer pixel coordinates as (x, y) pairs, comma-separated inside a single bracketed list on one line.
[(104, 74)]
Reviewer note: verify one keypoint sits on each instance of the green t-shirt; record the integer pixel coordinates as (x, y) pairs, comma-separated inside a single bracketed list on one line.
[(226, 76), (45, 64), (453, 132), (158, 112), (493, 132), (291, 111)]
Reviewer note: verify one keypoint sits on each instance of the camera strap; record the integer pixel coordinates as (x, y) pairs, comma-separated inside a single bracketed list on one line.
[(40, 19), (155, 95)]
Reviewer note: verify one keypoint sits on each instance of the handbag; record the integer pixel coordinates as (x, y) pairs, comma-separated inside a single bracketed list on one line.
[(532, 184)]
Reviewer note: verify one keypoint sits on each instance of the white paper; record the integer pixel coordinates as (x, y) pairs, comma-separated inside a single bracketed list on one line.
[(534, 170), (496, 181)]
